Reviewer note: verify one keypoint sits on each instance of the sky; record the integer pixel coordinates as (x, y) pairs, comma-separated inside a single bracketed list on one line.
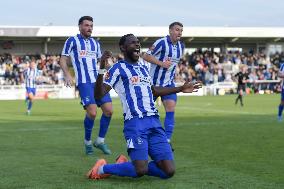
[(232, 13)]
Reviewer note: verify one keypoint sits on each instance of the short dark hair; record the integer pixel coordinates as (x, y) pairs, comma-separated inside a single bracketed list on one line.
[(123, 38), (175, 23), (85, 18)]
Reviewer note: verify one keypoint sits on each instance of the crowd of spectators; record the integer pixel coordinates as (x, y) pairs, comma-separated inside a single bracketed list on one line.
[(211, 67), (206, 66), (12, 69)]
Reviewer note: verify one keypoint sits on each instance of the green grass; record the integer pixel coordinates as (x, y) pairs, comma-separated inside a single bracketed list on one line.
[(217, 145)]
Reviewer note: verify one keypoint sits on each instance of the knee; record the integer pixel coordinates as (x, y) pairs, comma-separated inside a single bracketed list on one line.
[(108, 113), (170, 108), (141, 171), (31, 97), (92, 114), (170, 171)]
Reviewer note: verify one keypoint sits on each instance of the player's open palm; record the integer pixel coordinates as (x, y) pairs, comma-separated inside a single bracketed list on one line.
[(189, 87)]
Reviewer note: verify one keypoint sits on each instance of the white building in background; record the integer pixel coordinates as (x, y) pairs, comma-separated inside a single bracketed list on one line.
[(50, 39)]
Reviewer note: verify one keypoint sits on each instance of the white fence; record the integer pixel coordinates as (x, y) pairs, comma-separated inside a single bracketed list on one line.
[(12, 92), (221, 87)]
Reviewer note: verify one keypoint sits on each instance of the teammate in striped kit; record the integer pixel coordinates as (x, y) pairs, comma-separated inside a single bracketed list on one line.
[(281, 105), (143, 132), (164, 56), (30, 75), (85, 52)]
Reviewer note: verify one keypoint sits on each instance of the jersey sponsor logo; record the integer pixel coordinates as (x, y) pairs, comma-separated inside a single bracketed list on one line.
[(145, 80), (134, 80), (86, 53), (140, 80)]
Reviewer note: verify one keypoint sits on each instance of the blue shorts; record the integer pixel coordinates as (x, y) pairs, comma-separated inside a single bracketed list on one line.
[(282, 93), (31, 90), (145, 136), (86, 91), (168, 97)]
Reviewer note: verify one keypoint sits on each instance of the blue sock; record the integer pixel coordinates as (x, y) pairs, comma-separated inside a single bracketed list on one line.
[(88, 124), (169, 124), (27, 102), (154, 170), (126, 169), (280, 110), (104, 123), (30, 103)]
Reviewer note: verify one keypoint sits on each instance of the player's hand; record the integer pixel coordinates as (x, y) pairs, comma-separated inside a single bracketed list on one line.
[(167, 63), (68, 81), (104, 59), (189, 87)]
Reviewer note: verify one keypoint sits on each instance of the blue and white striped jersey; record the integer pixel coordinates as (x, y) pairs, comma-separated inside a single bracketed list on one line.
[(30, 76), (132, 83), (164, 49), (84, 55), (281, 70)]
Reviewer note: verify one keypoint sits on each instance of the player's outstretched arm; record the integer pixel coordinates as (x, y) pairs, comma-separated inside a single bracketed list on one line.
[(150, 58), (67, 76), (187, 87), (101, 87)]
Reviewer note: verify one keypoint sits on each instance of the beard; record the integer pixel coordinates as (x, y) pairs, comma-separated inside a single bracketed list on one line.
[(132, 57)]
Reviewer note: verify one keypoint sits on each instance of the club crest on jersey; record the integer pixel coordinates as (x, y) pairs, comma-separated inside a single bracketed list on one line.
[(87, 98), (139, 141)]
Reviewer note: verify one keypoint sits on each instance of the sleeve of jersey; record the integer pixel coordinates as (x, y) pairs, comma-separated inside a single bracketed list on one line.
[(182, 48), (99, 50), (25, 73), (112, 76), (39, 73), (68, 46), (156, 48), (146, 65)]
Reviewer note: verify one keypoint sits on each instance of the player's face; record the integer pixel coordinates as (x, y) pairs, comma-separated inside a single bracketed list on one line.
[(32, 65), (86, 28), (132, 48), (176, 33)]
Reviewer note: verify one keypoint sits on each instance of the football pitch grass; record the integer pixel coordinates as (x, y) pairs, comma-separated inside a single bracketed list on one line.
[(217, 145)]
